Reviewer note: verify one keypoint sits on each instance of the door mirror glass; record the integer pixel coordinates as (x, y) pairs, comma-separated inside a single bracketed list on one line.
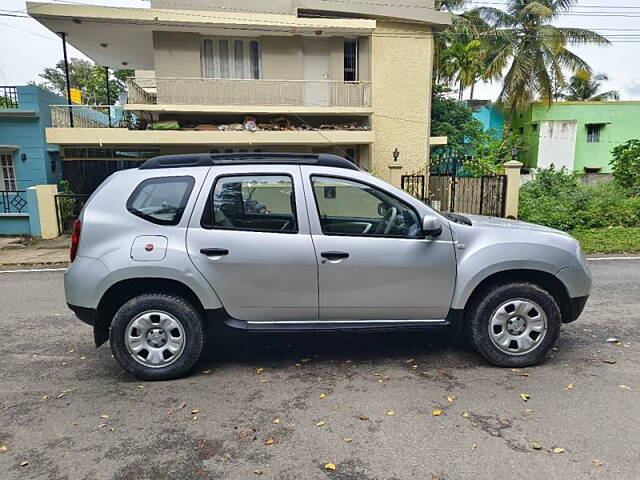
[(431, 226)]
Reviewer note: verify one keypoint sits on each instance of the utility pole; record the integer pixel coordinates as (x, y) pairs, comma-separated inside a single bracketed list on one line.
[(66, 74), (106, 75)]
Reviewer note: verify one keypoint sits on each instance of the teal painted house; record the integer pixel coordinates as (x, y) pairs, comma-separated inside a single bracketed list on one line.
[(491, 117), (577, 135), (25, 157)]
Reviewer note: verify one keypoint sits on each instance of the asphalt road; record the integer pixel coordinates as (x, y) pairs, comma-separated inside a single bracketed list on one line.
[(54, 387)]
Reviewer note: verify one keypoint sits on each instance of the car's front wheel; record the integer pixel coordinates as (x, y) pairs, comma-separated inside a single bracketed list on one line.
[(514, 325), (157, 336)]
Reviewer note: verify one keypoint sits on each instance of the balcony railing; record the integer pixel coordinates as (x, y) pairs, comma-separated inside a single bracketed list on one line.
[(222, 91), (8, 97), (91, 116), (13, 201)]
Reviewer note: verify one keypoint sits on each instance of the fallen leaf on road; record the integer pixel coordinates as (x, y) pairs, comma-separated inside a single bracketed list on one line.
[(536, 446), (305, 360), (615, 341), (139, 387), (63, 393), (24, 464), (610, 361), (3, 449), (364, 418), (329, 466), (348, 439), (437, 413), (466, 415), (102, 425), (45, 397), (320, 424), (597, 463), (259, 370), (206, 372), (276, 420), (193, 412), (411, 360), (104, 415), (258, 472), (525, 396), (323, 395), (624, 387), (269, 441), (450, 399), (570, 386), (83, 358), (194, 418), (558, 450), (391, 413)]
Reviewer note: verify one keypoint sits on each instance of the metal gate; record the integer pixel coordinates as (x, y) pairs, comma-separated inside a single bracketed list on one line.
[(449, 192), (68, 208)]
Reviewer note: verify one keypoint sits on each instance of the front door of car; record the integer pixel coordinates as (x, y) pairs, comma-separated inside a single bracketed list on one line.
[(374, 263), (253, 245)]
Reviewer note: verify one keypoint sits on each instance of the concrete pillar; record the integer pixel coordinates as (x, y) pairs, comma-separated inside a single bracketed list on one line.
[(42, 211), (395, 175), (512, 170)]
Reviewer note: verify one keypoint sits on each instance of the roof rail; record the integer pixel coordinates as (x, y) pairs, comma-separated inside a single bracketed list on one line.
[(210, 160)]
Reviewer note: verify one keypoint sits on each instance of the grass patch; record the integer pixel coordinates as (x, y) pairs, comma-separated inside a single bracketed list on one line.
[(609, 240)]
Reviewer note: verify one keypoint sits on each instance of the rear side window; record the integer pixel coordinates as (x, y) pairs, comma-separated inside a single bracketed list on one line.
[(256, 203), (161, 200)]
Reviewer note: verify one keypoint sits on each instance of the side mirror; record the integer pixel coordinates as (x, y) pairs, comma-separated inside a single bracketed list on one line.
[(431, 226)]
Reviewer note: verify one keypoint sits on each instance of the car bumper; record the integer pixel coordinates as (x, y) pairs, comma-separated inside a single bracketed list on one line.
[(84, 314)]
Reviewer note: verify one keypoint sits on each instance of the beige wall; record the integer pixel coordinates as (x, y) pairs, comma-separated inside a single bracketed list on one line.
[(282, 58), (401, 95), (176, 54)]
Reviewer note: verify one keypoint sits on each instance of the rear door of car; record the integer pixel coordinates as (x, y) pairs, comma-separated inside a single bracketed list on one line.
[(249, 236)]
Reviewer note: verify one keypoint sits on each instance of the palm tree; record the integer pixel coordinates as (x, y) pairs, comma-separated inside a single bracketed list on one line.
[(584, 87), (450, 5), (532, 50), (462, 64)]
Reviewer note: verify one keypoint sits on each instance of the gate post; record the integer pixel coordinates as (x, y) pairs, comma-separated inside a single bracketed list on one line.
[(395, 175), (512, 171)]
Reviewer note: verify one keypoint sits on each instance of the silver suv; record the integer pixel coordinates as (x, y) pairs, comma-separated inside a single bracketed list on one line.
[(288, 243)]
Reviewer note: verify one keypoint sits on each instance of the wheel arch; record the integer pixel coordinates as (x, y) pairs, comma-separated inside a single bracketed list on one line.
[(544, 280), (124, 290)]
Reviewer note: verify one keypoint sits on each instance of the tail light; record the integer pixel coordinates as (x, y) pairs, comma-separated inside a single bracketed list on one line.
[(75, 239)]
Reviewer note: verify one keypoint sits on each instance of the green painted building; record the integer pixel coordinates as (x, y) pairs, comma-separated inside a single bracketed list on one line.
[(577, 135)]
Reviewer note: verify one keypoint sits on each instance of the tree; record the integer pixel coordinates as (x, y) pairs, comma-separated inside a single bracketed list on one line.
[(626, 165), (450, 5), (584, 87), (87, 77), (532, 50), (463, 63)]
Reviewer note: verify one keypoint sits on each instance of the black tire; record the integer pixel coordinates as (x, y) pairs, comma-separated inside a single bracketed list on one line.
[(182, 311), (482, 309)]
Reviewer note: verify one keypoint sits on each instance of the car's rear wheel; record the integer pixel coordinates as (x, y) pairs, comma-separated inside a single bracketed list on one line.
[(514, 325), (157, 336)]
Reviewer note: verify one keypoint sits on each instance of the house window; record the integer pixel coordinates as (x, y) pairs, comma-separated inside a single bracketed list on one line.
[(350, 60), (231, 58), (8, 171), (534, 127), (593, 132)]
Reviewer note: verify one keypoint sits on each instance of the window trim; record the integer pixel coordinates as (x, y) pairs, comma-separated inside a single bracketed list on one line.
[(154, 180), (420, 236), (207, 211), (215, 59), (12, 180)]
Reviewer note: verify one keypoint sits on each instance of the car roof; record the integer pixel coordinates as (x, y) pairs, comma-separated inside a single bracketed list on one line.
[(226, 159)]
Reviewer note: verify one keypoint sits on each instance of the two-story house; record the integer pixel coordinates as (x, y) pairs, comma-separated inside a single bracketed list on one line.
[(351, 78)]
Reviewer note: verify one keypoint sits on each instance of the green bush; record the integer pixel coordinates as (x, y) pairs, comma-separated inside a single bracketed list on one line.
[(557, 198), (626, 165)]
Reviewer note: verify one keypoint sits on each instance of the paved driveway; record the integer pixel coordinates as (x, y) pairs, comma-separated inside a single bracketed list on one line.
[(286, 406)]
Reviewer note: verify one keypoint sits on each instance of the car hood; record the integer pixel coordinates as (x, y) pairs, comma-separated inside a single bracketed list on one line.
[(494, 222)]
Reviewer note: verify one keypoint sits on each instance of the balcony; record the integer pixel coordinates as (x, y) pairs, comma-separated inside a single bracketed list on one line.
[(254, 93), (8, 97)]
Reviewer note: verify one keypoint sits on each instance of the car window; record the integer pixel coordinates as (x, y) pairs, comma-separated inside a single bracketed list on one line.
[(161, 200), (259, 203), (352, 208)]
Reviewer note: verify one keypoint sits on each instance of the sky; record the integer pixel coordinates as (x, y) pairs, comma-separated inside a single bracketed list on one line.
[(27, 47)]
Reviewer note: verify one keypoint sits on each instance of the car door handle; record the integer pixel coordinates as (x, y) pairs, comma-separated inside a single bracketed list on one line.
[(214, 252), (334, 255)]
